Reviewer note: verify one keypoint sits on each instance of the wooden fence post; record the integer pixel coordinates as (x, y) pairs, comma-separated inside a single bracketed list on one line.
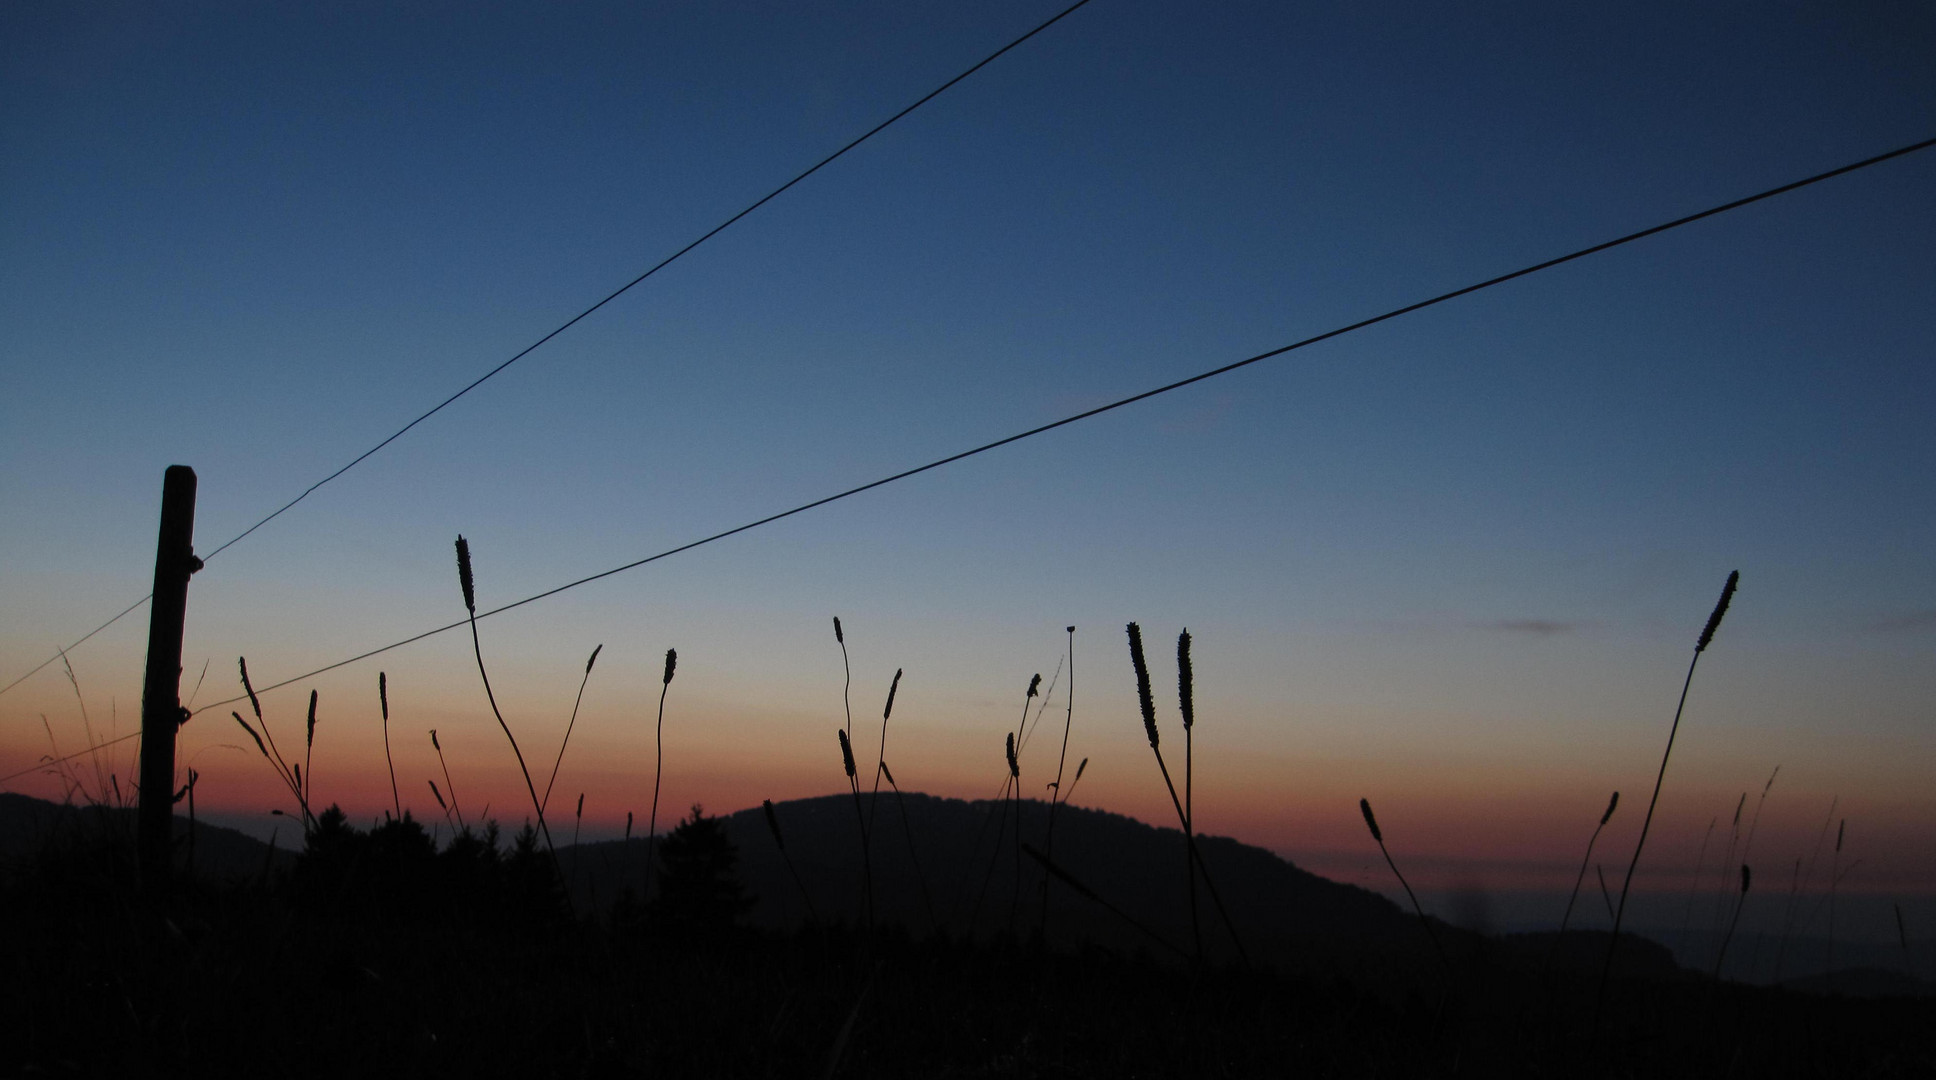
[(161, 711)]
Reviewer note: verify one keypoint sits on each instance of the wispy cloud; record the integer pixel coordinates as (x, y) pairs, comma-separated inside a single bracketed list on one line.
[(1535, 627), (1913, 622)]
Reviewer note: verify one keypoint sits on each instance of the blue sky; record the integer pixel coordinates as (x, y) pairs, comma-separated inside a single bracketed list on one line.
[(1456, 560)]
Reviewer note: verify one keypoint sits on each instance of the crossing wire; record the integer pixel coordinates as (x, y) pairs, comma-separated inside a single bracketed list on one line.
[(568, 324), (1132, 399)]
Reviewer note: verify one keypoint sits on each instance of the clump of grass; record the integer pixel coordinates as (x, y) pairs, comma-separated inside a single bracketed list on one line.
[(1604, 818), (658, 766), (383, 698), (1371, 822), (465, 582), (1700, 646), (572, 723), (779, 841)]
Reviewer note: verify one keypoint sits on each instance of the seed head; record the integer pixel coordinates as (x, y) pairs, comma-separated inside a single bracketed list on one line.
[(846, 753), (773, 823), (1744, 879), (594, 658), (1034, 684), (1143, 698), (628, 824), (889, 773), (383, 694), (891, 687), (243, 663), (1183, 679), (1014, 768), (1611, 803), (1364, 807), (581, 806), (439, 747), (252, 734), (464, 574), (312, 719), (672, 661), (1720, 609), (440, 797), (1079, 768), (838, 636)]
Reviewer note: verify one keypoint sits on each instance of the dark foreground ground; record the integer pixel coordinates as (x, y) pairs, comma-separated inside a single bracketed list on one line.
[(378, 953), (254, 982)]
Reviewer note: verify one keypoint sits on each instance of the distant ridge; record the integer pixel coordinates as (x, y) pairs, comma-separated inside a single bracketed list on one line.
[(1287, 917)]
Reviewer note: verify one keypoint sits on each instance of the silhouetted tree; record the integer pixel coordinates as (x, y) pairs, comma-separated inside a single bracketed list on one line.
[(698, 880)]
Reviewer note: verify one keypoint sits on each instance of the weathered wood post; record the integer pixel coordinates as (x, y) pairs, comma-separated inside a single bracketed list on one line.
[(161, 711)]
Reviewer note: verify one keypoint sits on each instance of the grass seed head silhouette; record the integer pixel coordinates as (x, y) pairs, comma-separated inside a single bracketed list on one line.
[(439, 747), (839, 638), (672, 661), (1143, 698), (1745, 877), (255, 705), (1611, 803), (1364, 807), (773, 823), (1014, 767), (594, 657), (252, 735), (889, 773), (846, 754), (1720, 609), (1034, 684), (439, 796), (891, 688), (1183, 680), (464, 574), (383, 694), (311, 739)]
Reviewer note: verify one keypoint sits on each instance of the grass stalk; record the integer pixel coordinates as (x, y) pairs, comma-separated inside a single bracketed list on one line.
[(880, 763), (1184, 695), (860, 819), (658, 770), (449, 784), (1055, 789), (1371, 822), (1090, 895), (569, 725), (464, 581), (779, 841), (1741, 901), (1148, 706), (383, 698), (920, 875), (1700, 646), (1604, 818)]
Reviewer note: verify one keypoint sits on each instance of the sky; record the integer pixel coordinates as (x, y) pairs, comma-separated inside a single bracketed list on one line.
[(1454, 563)]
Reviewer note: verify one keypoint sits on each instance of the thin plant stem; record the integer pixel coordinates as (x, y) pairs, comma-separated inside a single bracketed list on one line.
[(1055, 789), (1364, 807), (566, 741), (1700, 646), (449, 785), (383, 697), (920, 876), (658, 772)]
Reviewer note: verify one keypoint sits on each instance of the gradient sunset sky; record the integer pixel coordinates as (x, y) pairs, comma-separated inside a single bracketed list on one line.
[(1455, 563)]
